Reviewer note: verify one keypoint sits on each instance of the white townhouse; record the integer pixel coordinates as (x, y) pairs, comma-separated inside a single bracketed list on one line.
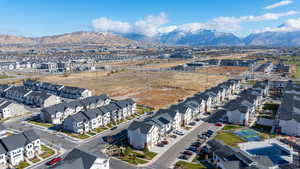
[(81, 159), (185, 111), (57, 113), (239, 112), (21, 146), (143, 134), (10, 109), (85, 121), (289, 115)]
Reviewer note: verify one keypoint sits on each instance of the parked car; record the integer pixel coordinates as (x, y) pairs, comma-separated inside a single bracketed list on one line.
[(197, 119), (54, 161), (192, 148), (183, 157), (210, 132), (165, 142), (196, 144), (187, 152), (173, 136), (219, 124), (160, 144), (113, 128), (192, 123), (179, 132), (202, 136)]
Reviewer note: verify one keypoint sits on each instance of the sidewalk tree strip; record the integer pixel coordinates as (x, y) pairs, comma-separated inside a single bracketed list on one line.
[(186, 165), (35, 160), (47, 125)]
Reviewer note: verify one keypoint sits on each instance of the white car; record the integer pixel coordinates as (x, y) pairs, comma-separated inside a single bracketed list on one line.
[(179, 132)]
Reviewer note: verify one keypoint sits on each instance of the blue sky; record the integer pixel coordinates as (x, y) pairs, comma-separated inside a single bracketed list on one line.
[(148, 17)]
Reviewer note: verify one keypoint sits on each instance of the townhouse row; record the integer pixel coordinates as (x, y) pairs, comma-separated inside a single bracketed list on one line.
[(69, 92), (26, 96), (242, 110), (85, 121), (57, 113), (150, 131), (288, 115), (18, 147)]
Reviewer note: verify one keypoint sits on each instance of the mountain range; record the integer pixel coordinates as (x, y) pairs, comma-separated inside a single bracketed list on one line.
[(176, 37)]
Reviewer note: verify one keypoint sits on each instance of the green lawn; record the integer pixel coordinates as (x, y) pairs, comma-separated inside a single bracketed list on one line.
[(142, 110), (79, 136), (22, 165), (297, 63), (5, 77), (100, 129), (150, 154), (251, 82), (35, 160), (40, 124), (229, 138), (232, 127), (186, 165), (47, 152), (132, 160)]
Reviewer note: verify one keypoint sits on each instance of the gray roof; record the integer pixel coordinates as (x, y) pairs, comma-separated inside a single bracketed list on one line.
[(142, 126), (79, 159), (18, 140)]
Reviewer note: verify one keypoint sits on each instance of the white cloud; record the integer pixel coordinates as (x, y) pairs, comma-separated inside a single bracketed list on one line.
[(107, 25), (148, 26), (152, 25), (289, 25), (279, 4)]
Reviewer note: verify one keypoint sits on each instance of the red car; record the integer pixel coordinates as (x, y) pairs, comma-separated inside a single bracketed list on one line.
[(219, 124), (54, 161), (165, 142)]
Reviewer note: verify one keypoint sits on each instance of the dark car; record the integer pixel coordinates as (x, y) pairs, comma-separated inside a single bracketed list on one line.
[(187, 152), (192, 148), (196, 144), (113, 128), (210, 132), (54, 161), (183, 157), (192, 123)]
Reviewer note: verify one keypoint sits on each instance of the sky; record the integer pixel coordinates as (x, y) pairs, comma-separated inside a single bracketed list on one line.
[(35, 18)]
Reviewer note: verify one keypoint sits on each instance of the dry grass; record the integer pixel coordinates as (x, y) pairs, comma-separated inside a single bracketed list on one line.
[(156, 89), (223, 70)]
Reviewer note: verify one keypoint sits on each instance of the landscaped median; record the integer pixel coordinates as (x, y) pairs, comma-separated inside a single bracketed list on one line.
[(136, 157)]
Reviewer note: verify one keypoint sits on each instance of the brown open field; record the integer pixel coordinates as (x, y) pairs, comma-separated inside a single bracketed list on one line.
[(156, 89), (223, 70)]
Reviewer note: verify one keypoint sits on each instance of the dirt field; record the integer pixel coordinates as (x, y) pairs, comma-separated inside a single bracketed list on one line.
[(223, 70), (156, 89)]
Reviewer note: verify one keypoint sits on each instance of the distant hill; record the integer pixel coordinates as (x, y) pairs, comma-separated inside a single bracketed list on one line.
[(68, 38), (274, 39), (200, 38)]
